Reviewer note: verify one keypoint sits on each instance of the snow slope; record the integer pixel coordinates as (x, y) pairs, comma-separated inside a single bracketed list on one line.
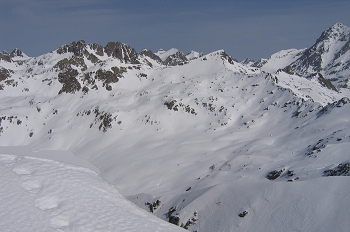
[(196, 142), (330, 56), (194, 55), (281, 59), (44, 195), (165, 54)]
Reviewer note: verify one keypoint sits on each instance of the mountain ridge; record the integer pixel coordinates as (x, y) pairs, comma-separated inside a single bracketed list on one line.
[(197, 142), (328, 56)]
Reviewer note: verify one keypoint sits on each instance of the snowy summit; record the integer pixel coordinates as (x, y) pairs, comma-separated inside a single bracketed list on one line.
[(106, 138)]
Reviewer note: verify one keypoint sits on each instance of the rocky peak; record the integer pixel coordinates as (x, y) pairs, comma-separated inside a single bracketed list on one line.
[(229, 59), (151, 55), (178, 58), (326, 56), (338, 31), (248, 61), (16, 52), (97, 48), (4, 55), (78, 48), (194, 55), (261, 62), (122, 51)]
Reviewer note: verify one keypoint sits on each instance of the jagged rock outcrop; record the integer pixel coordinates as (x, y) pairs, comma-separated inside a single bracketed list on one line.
[(69, 81), (150, 54), (176, 59), (8, 57), (122, 51), (16, 52), (77, 48)]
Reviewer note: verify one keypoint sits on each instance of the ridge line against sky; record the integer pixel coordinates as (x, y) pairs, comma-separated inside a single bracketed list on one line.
[(254, 29)]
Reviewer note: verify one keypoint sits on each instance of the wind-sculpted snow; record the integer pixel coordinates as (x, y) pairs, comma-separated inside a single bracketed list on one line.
[(209, 144), (44, 195)]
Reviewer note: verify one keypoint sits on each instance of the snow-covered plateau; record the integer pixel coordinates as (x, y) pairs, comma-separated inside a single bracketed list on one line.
[(199, 140)]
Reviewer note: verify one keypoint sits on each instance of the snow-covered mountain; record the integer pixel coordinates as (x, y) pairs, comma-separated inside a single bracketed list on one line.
[(278, 60), (194, 55), (202, 141), (328, 57)]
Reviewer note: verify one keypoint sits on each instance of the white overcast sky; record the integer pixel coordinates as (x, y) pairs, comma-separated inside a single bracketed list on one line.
[(254, 29)]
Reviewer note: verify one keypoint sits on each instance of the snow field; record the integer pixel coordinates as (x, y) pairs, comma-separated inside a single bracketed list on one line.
[(44, 195), (199, 137)]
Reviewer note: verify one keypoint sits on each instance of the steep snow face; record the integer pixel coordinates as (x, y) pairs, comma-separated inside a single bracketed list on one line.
[(196, 143), (280, 60), (308, 89), (172, 57), (194, 55), (44, 195), (328, 56), (165, 54)]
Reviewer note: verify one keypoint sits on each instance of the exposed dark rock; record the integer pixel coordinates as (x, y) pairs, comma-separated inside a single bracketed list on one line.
[(11, 82), (4, 55), (153, 206), (150, 54), (229, 59), (343, 50), (66, 64), (69, 81), (5, 73), (85, 89), (243, 214), (16, 52), (342, 169), (312, 63), (97, 48), (171, 211), (93, 58), (311, 58), (122, 51), (247, 61), (88, 78), (170, 104), (106, 77), (78, 48), (176, 59), (189, 223), (274, 174), (290, 173), (102, 118), (328, 108), (118, 71), (326, 83), (174, 220), (259, 63)]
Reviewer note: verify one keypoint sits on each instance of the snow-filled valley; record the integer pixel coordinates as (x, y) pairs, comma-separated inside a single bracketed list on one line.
[(201, 141)]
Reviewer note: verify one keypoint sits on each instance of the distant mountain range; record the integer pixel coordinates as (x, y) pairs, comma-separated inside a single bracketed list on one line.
[(200, 140)]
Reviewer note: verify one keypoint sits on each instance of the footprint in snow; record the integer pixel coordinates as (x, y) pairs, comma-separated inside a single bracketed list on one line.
[(9, 160), (59, 222), (47, 202), (33, 186), (22, 170)]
